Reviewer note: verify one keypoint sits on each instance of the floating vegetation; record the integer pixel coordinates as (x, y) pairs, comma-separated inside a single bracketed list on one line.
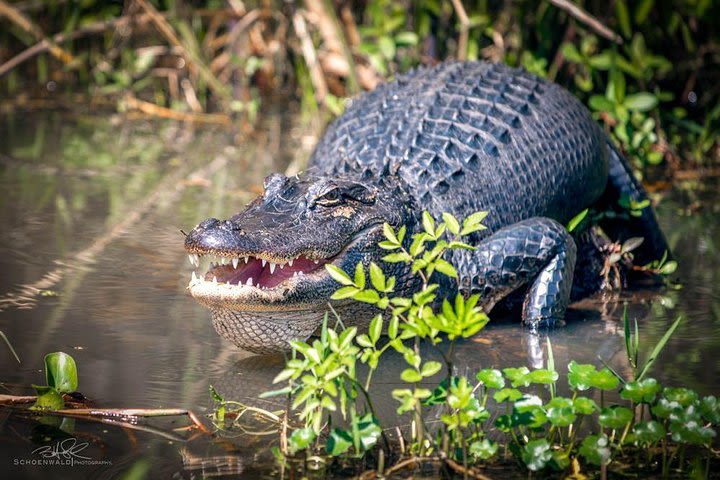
[(497, 416)]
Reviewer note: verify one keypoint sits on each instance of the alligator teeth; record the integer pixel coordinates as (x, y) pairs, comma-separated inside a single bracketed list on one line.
[(246, 259), (214, 279), (281, 265), (194, 259), (290, 262), (317, 261), (272, 268), (249, 282), (264, 262), (194, 278), (235, 262)]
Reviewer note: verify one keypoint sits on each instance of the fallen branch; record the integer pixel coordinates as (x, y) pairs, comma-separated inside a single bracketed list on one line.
[(19, 19), (469, 472), (581, 15), (155, 110)]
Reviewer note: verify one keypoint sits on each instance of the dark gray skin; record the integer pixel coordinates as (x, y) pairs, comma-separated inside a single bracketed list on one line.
[(457, 138)]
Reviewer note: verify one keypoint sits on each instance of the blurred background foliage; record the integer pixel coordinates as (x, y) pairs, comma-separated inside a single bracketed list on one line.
[(649, 70)]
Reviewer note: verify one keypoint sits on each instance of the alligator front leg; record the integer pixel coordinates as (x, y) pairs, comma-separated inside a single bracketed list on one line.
[(537, 253)]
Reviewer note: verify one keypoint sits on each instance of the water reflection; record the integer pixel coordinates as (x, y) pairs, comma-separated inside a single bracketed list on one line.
[(101, 204)]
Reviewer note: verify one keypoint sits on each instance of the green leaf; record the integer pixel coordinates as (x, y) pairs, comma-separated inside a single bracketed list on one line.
[(507, 395), (367, 296), (483, 449), (658, 348), (641, 391), (430, 368), (375, 328), (604, 380), (445, 268), (571, 53), (452, 223), (595, 449), (491, 378), (61, 372), (473, 223), (615, 417), (517, 376), (406, 39), (47, 399), (360, 275), (710, 409), (377, 277), (542, 376), (345, 292), (623, 15), (536, 454), (585, 406), (647, 433), (410, 375), (683, 396), (300, 439), (390, 234), (275, 393), (337, 274), (692, 432), (579, 375), (387, 47), (338, 442), (576, 220), (428, 223), (397, 257), (641, 102), (600, 103)]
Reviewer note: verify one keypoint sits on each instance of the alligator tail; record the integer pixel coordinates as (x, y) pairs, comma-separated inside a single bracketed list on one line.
[(623, 184)]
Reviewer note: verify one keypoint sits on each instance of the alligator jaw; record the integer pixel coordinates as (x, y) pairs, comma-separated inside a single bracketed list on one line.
[(253, 280)]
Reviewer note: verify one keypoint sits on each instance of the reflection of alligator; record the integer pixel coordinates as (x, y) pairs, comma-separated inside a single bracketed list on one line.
[(456, 138)]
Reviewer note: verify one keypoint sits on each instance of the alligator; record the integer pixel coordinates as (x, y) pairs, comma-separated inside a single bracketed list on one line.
[(459, 137)]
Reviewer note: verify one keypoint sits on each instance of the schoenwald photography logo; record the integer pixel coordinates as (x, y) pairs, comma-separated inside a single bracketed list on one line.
[(68, 452)]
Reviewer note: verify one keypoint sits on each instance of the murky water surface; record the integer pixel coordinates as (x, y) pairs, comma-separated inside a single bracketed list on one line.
[(92, 264)]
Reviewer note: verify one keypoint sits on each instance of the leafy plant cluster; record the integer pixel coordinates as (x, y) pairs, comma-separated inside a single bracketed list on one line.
[(61, 378), (646, 426), (652, 81)]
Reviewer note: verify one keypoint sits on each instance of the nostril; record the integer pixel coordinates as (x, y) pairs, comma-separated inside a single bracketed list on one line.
[(209, 223)]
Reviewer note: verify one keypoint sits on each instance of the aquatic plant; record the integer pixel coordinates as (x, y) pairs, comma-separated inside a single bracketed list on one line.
[(647, 427)]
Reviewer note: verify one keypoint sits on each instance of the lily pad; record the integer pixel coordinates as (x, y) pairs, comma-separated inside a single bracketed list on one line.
[(684, 396), (647, 433), (507, 395), (536, 454), (615, 416), (585, 406), (491, 378), (579, 375), (710, 409), (641, 391), (692, 432), (517, 376), (595, 449), (483, 449), (542, 376)]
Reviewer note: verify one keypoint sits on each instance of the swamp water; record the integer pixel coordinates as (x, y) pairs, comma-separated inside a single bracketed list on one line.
[(92, 264)]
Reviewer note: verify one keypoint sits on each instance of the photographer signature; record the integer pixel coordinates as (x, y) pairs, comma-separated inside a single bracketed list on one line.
[(66, 449)]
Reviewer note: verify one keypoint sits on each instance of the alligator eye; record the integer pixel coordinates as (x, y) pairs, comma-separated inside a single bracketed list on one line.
[(330, 198)]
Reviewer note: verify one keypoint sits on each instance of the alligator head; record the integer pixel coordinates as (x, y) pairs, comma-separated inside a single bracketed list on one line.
[(267, 283)]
